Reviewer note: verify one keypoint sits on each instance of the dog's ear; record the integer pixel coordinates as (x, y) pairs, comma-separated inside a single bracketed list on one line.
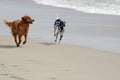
[(23, 18)]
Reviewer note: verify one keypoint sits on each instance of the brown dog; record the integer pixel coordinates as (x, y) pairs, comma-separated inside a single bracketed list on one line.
[(20, 28)]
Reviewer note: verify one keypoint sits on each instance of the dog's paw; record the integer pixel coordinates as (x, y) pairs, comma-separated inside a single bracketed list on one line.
[(18, 45), (55, 40), (24, 43)]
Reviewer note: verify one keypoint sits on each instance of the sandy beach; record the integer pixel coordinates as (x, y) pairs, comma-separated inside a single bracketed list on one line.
[(89, 49), (49, 61)]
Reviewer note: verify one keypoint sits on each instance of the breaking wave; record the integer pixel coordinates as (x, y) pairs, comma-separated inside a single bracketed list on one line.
[(111, 7)]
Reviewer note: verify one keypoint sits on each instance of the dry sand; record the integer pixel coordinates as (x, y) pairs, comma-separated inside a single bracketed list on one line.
[(50, 61)]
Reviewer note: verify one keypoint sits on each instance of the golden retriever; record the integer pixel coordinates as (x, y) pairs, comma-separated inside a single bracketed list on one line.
[(20, 28)]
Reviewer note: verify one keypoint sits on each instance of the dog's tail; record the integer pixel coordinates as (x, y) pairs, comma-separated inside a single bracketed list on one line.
[(8, 23)]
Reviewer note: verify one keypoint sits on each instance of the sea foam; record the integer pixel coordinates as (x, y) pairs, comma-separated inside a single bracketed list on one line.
[(111, 7)]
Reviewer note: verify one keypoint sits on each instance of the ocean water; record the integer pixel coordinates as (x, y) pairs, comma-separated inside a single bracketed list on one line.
[(111, 7), (103, 38)]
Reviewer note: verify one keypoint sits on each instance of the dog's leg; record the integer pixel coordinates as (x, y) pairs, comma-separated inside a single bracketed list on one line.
[(54, 30), (25, 39), (20, 40), (56, 36), (61, 35), (15, 38), (60, 38)]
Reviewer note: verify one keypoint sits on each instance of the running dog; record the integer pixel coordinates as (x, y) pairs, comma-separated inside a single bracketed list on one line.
[(20, 28), (59, 29)]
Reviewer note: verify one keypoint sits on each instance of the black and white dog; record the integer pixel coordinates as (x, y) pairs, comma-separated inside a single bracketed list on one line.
[(59, 29)]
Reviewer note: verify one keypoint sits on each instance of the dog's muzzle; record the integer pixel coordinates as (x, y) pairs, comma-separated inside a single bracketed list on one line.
[(33, 20)]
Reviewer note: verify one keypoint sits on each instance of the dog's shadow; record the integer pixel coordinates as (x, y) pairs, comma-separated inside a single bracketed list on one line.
[(48, 44), (8, 46)]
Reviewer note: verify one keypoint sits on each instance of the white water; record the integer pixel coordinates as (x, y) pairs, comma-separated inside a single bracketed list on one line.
[(111, 7)]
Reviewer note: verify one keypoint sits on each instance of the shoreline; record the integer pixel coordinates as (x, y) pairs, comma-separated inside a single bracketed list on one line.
[(49, 43)]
